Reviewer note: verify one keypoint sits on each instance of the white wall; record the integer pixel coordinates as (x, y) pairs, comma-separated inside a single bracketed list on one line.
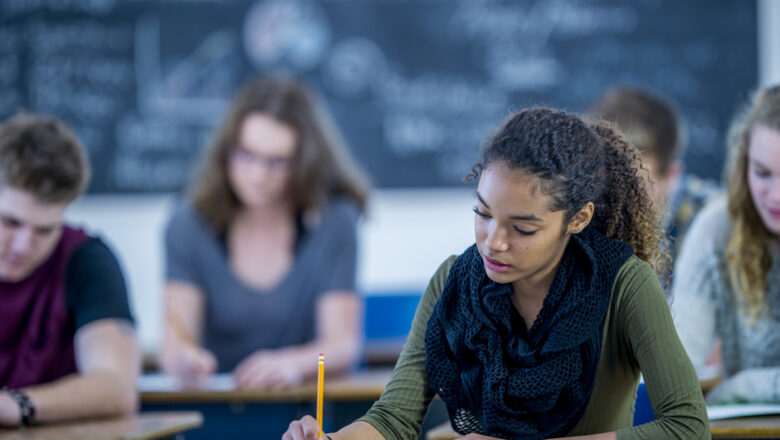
[(132, 227), (769, 41), (404, 238)]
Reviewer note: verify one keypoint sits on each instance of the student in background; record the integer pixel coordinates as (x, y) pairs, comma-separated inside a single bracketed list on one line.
[(541, 328), (261, 256), (727, 282), (651, 123), (68, 348)]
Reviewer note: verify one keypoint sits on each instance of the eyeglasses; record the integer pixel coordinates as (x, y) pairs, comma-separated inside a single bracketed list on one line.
[(272, 163)]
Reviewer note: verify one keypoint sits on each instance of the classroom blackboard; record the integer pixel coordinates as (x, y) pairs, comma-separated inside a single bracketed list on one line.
[(415, 85)]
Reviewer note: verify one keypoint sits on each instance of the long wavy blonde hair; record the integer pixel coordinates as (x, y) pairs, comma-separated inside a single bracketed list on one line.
[(748, 253)]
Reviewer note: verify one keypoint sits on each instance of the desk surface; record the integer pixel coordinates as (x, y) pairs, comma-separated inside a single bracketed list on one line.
[(145, 426), (745, 427), (360, 385)]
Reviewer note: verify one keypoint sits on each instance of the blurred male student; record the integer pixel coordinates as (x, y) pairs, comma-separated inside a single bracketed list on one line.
[(68, 347), (652, 124)]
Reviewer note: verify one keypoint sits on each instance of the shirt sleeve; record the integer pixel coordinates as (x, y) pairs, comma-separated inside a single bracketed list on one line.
[(94, 285), (342, 255), (181, 236), (693, 292), (648, 331), (399, 412)]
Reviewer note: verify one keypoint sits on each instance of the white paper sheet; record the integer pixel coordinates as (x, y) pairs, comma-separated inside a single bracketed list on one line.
[(719, 412), (159, 382)]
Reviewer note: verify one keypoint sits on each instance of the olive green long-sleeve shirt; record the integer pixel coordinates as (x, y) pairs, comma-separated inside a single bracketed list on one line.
[(638, 336)]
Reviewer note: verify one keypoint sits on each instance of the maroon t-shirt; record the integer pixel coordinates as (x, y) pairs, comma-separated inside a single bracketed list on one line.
[(79, 283)]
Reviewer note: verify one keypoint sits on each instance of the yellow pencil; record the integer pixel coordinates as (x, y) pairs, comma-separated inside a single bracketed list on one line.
[(320, 391), (181, 329)]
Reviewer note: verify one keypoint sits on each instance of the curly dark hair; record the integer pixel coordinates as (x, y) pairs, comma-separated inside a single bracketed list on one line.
[(574, 163)]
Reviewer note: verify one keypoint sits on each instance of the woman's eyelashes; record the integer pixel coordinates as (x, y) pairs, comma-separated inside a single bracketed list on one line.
[(761, 173), (486, 216), (480, 213)]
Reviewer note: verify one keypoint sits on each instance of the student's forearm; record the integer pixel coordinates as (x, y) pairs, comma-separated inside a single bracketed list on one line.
[(94, 394), (357, 431), (603, 436), (750, 385), (166, 352)]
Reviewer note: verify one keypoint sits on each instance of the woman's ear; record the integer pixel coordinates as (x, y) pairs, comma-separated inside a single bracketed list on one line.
[(581, 219)]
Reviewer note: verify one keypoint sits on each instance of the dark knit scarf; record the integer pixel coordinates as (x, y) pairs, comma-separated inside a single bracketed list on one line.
[(500, 380)]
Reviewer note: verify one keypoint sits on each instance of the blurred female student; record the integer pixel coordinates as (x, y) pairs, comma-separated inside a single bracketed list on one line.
[(261, 257), (542, 327), (727, 282)]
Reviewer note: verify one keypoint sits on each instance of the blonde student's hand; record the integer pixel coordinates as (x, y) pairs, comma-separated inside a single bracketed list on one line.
[(191, 362), (267, 370), (303, 429)]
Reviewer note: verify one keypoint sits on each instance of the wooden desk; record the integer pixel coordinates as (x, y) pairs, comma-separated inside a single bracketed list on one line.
[(764, 427), (360, 385), (144, 426), (746, 427), (231, 413)]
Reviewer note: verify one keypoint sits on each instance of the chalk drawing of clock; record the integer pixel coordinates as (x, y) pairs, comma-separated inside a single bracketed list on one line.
[(289, 35), (353, 65)]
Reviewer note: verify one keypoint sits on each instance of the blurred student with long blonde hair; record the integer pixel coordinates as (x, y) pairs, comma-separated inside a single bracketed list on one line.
[(727, 279)]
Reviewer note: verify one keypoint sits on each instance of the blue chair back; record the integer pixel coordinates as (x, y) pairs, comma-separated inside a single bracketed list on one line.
[(389, 316), (643, 409)]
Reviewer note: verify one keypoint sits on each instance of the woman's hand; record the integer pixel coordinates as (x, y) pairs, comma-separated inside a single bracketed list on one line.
[(267, 370), (190, 363), (303, 429)]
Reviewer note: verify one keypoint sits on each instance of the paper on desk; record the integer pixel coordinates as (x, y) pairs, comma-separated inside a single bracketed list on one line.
[(159, 382), (708, 372), (719, 412)]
